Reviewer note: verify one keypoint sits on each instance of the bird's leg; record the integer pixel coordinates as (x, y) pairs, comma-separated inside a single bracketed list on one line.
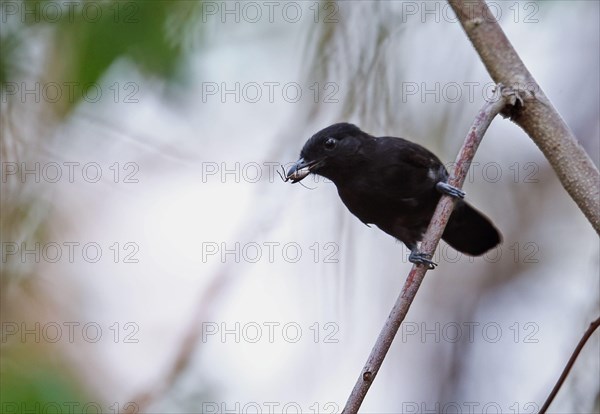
[(418, 258), (450, 190)]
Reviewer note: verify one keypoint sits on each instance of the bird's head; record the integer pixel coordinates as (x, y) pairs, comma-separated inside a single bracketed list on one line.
[(329, 152)]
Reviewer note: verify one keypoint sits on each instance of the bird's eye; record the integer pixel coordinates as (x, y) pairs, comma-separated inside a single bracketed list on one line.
[(330, 143)]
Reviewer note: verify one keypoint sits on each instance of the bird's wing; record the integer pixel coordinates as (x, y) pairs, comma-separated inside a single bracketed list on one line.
[(406, 167)]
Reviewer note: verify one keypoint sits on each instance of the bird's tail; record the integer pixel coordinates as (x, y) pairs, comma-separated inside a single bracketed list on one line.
[(469, 231)]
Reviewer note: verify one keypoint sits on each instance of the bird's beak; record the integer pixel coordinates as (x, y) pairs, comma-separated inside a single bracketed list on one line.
[(301, 169)]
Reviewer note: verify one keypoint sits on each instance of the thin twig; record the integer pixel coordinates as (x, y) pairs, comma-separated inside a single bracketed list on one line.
[(590, 330), (539, 119), (428, 246), (185, 352)]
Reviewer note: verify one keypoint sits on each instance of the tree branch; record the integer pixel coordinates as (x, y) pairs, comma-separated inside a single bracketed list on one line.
[(593, 326), (539, 119), (428, 246)]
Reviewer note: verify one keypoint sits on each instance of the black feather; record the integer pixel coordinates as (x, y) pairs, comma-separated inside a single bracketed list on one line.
[(391, 182)]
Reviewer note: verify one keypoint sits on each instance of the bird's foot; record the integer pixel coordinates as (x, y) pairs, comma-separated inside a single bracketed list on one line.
[(450, 190), (420, 258)]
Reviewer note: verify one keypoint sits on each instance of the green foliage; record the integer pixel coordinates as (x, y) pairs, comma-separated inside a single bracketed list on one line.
[(31, 380), (89, 36), (133, 29)]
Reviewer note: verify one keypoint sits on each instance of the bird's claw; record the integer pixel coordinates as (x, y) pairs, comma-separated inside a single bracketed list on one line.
[(420, 258), (450, 190)]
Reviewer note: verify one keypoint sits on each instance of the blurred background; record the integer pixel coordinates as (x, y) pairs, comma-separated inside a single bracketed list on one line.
[(154, 261)]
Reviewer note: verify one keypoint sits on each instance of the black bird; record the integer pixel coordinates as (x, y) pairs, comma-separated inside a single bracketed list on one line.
[(394, 184)]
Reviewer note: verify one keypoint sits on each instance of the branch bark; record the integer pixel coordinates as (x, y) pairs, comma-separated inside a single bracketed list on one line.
[(428, 245), (539, 119), (593, 326)]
